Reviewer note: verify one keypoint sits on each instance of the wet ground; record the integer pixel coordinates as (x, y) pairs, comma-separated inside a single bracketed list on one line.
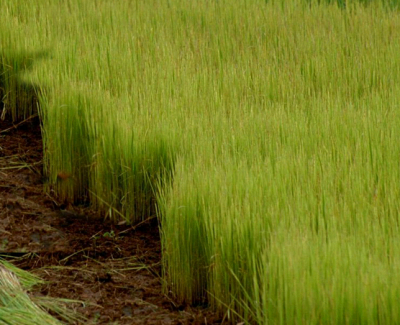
[(115, 269)]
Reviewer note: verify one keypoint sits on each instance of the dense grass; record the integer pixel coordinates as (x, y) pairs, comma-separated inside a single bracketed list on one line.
[(267, 133)]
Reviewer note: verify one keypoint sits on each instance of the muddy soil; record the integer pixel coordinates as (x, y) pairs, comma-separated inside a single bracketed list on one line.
[(114, 269)]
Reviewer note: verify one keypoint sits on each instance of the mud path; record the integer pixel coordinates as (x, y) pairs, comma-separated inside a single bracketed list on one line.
[(115, 269)]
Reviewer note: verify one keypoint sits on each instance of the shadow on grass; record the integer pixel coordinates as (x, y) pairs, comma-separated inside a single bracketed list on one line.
[(18, 98)]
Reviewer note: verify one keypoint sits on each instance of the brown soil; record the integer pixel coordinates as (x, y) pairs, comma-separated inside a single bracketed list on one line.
[(115, 269)]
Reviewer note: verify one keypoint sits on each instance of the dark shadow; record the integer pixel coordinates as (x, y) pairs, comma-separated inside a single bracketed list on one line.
[(19, 99)]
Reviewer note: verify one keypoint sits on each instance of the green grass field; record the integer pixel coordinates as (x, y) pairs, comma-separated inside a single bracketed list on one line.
[(264, 134)]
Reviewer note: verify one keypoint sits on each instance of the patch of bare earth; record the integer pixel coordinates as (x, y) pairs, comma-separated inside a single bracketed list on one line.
[(114, 269)]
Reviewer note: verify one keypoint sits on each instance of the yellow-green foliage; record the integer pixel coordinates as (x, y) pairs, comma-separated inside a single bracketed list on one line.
[(267, 131), (17, 307)]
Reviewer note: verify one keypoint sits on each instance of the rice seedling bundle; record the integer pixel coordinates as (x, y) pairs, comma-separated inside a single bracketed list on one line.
[(265, 133)]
